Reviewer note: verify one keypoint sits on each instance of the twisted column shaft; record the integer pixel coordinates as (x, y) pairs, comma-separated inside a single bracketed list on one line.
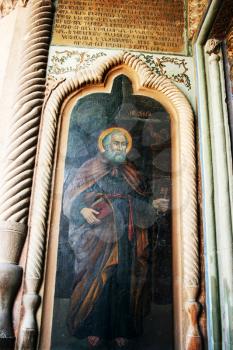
[(19, 156)]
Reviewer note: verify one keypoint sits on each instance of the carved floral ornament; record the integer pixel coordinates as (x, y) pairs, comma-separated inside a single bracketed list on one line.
[(6, 6)]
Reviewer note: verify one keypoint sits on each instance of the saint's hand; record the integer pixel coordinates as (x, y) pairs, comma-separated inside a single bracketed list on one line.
[(90, 215), (161, 204)]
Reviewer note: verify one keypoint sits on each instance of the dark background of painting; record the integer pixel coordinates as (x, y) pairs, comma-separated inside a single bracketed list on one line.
[(149, 124)]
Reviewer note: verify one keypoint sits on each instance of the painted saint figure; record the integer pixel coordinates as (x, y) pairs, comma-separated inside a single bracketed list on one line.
[(109, 210)]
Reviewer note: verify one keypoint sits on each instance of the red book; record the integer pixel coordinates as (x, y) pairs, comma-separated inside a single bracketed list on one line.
[(103, 207)]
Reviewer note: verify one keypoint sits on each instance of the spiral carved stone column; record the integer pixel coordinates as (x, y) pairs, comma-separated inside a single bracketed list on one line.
[(190, 238), (19, 157)]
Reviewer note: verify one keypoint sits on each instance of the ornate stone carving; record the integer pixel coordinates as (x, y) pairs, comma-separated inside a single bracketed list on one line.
[(18, 162), (212, 46), (6, 6), (196, 9), (43, 178)]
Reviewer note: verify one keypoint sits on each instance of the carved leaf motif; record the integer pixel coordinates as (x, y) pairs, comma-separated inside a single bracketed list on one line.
[(6, 6)]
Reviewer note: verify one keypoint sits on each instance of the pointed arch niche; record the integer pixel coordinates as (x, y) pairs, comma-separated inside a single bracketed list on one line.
[(47, 196)]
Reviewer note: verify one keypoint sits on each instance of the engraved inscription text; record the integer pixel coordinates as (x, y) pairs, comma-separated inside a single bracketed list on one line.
[(156, 25)]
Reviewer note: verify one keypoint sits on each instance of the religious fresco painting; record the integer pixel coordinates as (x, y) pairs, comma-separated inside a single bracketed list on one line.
[(114, 267)]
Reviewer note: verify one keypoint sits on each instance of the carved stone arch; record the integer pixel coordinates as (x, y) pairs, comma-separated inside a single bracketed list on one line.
[(186, 258)]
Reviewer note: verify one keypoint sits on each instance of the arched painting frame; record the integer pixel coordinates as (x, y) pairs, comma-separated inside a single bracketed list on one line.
[(184, 194)]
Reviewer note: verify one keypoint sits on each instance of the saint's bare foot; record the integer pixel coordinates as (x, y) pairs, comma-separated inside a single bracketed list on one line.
[(93, 341), (121, 342)]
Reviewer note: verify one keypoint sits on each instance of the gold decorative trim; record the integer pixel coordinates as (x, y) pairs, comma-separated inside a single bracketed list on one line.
[(187, 184), (196, 10), (229, 42)]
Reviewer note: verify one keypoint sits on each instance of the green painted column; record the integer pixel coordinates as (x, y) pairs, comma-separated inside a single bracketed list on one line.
[(210, 245), (222, 201), (210, 248), (227, 133)]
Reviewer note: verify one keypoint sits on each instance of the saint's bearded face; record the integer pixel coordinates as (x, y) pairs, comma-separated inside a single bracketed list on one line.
[(115, 147)]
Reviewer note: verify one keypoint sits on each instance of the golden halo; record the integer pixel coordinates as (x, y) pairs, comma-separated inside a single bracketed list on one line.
[(109, 131)]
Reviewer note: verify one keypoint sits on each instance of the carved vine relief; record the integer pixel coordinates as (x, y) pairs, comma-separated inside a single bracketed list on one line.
[(69, 61)]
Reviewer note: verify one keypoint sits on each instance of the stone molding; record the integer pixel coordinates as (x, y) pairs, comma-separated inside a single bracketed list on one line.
[(43, 180), (6, 6)]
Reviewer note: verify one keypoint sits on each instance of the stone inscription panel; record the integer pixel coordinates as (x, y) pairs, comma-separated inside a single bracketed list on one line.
[(155, 25)]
